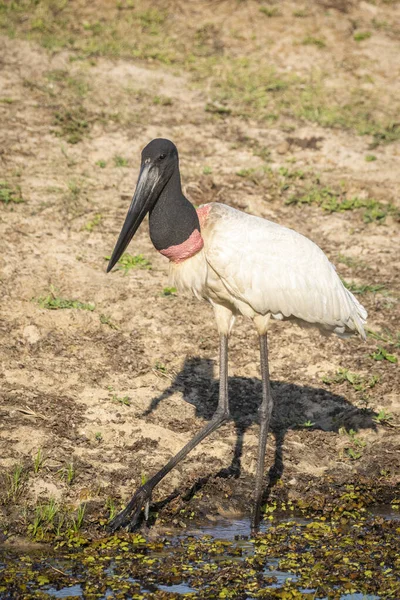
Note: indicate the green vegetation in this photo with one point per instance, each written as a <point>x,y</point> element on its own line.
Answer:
<point>248,86</point>
<point>15,482</point>
<point>129,261</point>
<point>10,194</point>
<point>106,320</point>
<point>98,436</point>
<point>72,123</point>
<point>370,158</point>
<point>101,163</point>
<point>169,291</point>
<point>207,171</point>
<point>351,262</point>
<point>385,336</point>
<point>313,41</point>
<point>38,461</point>
<point>383,417</point>
<point>125,400</point>
<point>53,302</point>
<point>360,36</point>
<point>373,211</point>
<point>120,161</point>
<point>97,219</point>
<point>363,288</point>
<point>360,383</point>
<point>270,11</point>
<point>68,473</point>
<point>382,354</point>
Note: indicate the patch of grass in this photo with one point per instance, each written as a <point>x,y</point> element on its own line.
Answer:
<point>106,320</point>
<point>68,473</point>
<point>382,354</point>
<point>162,101</point>
<point>7,100</point>
<point>78,521</point>
<point>120,161</point>
<point>125,400</point>
<point>101,163</point>
<point>301,13</point>
<point>207,171</point>
<point>129,261</point>
<point>270,11</point>
<point>363,288</point>
<point>90,225</point>
<point>360,383</point>
<point>370,158</point>
<point>383,417</point>
<point>44,519</point>
<point>38,461</point>
<point>169,291</point>
<point>10,194</point>
<point>360,36</point>
<point>53,302</point>
<point>98,436</point>
<point>349,261</point>
<point>373,211</point>
<point>72,123</point>
<point>385,336</point>
<point>310,40</point>
<point>15,482</point>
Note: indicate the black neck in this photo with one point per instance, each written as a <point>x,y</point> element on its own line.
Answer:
<point>173,218</point>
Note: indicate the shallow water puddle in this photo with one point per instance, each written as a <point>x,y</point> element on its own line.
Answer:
<point>337,558</point>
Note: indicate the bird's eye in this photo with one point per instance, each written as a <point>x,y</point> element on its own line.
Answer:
<point>162,156</point>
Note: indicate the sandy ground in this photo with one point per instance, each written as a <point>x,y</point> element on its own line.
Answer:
<point>65,372</point>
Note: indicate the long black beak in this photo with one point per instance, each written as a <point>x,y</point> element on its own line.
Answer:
<point>140,206</point>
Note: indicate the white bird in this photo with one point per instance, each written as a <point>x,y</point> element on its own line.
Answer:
<point>242,265</point>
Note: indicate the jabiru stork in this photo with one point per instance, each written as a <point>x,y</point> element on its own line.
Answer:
<point>243,265</point>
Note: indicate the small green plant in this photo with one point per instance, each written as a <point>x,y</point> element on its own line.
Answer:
<point>359,382</point>
<point>78,521</point>
<point>382,354</point>
<point>128,262</point>
<point>354,452</point>
<point>160,368</point>
<point>363,288</point>
<point>97,219</point>
<point>349,261</point>
<point>301,13</point>
<point>125,400</point>
<point>101,163</point>
<point>67,473</point>
<point>38,461</point>
<point>360,36</point>
<point>98,436</point>
<point>120,161</point>
<point>207,171</point>
<point>9,194</point>
<point>72,124</point>
<point>53,302</point>
<point>7,100</point>
<point>385,336</point>
<point>106,320</point>
<point>162,100</point>
<point>383,417</point>
<point>169,291</point>
<point>310,40</point>
<point>307,424</point>
<point>15,482</point>
<point>110,506</point>
<point>270,11</point>
<point>370,158</point>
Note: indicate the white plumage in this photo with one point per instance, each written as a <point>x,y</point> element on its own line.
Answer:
<point>260,269</point>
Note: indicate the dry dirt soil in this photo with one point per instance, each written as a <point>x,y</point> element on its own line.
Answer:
<point>100,394</point>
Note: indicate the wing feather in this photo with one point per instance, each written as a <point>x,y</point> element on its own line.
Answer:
<point>276,270</point>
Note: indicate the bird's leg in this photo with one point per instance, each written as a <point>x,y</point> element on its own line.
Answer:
<point>264,412</point>
<point>130,515</point>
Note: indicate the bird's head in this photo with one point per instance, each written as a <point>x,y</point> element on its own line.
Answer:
<point>159,160</point>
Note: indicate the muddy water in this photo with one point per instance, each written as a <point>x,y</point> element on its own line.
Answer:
<point>296,557</point>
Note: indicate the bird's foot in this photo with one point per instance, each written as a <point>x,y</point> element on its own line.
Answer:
<point>130,516</point>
